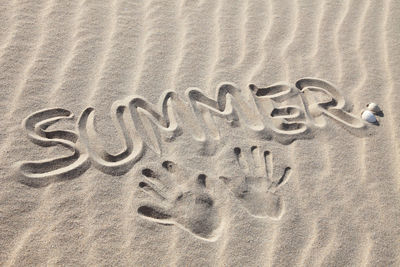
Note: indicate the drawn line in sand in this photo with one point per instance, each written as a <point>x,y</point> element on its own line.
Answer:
<point>256,185</point>
<point>281,112</point>
<point>43,172</point>
<point>177,200</point>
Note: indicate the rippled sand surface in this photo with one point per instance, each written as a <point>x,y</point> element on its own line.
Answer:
<point>199,133</point>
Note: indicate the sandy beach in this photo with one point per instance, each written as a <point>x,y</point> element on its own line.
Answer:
<point>199,133</point>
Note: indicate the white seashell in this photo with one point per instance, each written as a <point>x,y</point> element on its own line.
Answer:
<point>368,116</point>
<point>373,107</point>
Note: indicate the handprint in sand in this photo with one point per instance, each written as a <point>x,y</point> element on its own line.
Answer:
<point>256,185</point>
<point>181,199</point>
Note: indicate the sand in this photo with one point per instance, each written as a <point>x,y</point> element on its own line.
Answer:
<point>199,133</point>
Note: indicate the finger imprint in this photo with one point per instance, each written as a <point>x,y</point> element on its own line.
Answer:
<point>239,158</point>
<point>257,161</point>
<point>152,177</point>
<point>169,166</point>
<point>284,177</point>
<point>269,168</point>
<point>150,190</point>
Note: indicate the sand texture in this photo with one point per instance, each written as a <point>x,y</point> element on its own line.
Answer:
<point>199,133</point>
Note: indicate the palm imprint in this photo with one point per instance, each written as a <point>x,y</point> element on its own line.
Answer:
<point>256,184</point>
<point>180,200</point>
